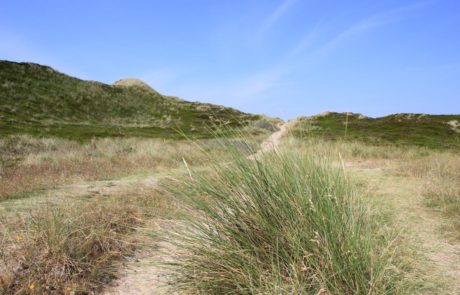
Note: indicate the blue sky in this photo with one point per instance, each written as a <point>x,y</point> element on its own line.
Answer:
<point>278,57</point>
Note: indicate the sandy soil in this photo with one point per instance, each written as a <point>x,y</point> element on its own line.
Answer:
<point>439,255</point>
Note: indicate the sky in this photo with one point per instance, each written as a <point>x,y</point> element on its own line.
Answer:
<point>282,58</point>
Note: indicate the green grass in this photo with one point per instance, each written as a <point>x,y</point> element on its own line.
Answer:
<point>290,223</point>
<point>432,131</point>
<point>40,101</point>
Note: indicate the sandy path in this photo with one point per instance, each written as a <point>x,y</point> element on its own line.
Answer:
<point>439,258</point>
<point>272,141</point>
<point>142,275</point>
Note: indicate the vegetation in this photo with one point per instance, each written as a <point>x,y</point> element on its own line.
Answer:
<point>28,164</point>
<point>443,189</point>
<point>82,168</point>
<point>38,100</point>
<point>288,223</point>
<point>433,131</point>
<point>57,239</point>
<point>292,221</point>
<point>73,245</point>
<point>441,175</point>
<point>439,170</point>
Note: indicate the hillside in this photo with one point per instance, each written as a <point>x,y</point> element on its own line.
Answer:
<point>39,100</point>
<point>433,131</point>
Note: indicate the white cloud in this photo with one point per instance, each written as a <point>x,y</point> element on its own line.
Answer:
<point>254,87</point>
<point>275,16</point>
<point>370,23</point>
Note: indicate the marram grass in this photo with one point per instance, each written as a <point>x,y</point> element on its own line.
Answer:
<point>286,223</point>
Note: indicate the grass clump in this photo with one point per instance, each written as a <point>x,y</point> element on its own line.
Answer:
<point>66,248</point>
<point>287,223</point>
<point>74,245</point>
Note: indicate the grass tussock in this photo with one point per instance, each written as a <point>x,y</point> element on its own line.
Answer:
<point>72,246</point>
<point>288,223</point>
<point>439,170</point>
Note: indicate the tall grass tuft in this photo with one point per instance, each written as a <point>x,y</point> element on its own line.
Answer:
<point>59,249</point>
<point>286,223</point>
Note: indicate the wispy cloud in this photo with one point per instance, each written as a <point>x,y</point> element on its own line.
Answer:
<point>275,16</point>
<point>373,22</point>
<point>245,91</point>
<point>254,87</point>
<point>306,41</point>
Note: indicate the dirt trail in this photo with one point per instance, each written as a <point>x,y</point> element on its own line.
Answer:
<point>142,274</point>
<point>440,258</point>
<point>272,141</point>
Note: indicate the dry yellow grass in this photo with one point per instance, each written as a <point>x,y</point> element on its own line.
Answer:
<point>75,244</point>
<point>60,239</point>
<point>440,172</point>
<point>28,164</point>
<point>71,238</point>
<point>421,188</point>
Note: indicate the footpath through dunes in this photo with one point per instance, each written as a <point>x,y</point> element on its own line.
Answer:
<point>438,256</point>
<point>143,274</point>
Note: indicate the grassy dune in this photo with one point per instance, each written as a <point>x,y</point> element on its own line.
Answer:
<point>90,172</point>
<point>423,130</point>
<point>41,101</point>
